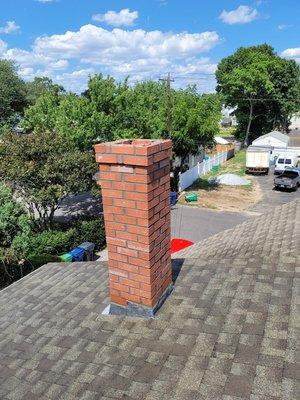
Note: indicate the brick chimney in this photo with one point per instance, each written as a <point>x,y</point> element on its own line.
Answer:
<point>135,184</point>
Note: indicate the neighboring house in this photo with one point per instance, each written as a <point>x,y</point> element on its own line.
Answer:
<point>228,118</point>
<point>227,331</point>
<point>226,122</point>
<point>272,139</point>
<point>278,143</point>
<point>221,146</point>
<point>295,122</point>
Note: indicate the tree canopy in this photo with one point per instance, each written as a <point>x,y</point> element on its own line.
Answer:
<point>110,110</point>
<point>263,87</point>
<point>43,168</point>
<point>12,94</point>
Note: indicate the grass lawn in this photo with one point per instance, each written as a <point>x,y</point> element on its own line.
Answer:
<point>236,165</point>
<point>222,197</point>
<point>225,132</point>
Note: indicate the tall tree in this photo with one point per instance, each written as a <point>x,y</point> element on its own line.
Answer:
<point>39,86</point>
<point>12,94</point>
<point>263,88</point>
<point>42,168</point>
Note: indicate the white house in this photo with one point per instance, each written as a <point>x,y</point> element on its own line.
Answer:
<point>272,139</point>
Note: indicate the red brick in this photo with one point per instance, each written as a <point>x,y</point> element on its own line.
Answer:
<point>124,203</point>
<point>139,262</point>
<point>140,278</point>
<point>114,210</point>
<point>116,194</point>
<point>115,225</point>
<point>118,300</point>
<point>137,178</point>
<point>113,176</point>
<point>118,272</point>
<point>123,186</point>
<point>133,298</point>
<point>128,268</point>
<point>127,236</point>
<point>119,286</point>
<point>118,257</point>
<point>105,184</point>
<point>107,201</point>
<point>138,196</point>
<point>139,213</point>
<point>130,282</point>
<point>128,252</point>
<point>138,160</point>
<point>125,219</point>
<point>122,149</point>
<point>106,158</point>
<point>140,246</point>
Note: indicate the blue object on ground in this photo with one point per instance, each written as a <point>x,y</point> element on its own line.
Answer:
<point>173,197</point>
<point>77,254</point>
<point>88,248</point>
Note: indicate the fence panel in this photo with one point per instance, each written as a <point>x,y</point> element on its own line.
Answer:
<point>187,178</point>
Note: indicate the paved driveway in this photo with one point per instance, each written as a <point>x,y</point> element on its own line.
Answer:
<point>272,197</point>
<point>194,223</point>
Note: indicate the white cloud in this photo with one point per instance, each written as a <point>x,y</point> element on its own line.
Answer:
<point>241,15</point>
<point>96,45</point>
<point>3,47</point>
<point>293,53</point>
<point>10,27</point>
<point>281,27</point>
<point>28,59</point>
<point>123,18</point>
<point>138,53</point>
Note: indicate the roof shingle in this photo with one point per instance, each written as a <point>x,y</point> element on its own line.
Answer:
<point>228,331</point>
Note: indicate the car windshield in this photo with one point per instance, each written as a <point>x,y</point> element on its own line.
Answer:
<point>280,161</point>
<point>289,174</point>
<point>288,161</point>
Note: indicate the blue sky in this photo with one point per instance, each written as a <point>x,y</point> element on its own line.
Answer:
<point>70,39</point>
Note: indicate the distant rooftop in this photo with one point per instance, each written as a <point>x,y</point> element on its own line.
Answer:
<point>228,331</point>
<point>275,134</point>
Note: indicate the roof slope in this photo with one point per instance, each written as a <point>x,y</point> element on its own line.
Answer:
<point>228,331</point>
<point>275,134</point>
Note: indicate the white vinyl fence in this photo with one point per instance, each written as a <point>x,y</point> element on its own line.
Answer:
<point>187,178</point>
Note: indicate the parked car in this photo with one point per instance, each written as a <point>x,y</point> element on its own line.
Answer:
<point>289,179</point>
<point>285,161</point>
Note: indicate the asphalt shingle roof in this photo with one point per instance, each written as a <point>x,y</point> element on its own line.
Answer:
<point>228,331</point>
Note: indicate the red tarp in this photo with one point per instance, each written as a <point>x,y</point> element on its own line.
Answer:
<point>179,244</point>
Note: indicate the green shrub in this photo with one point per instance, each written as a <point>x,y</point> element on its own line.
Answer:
<point>39,260</point>
<point>91,231</point>
<point>57,242</point>
<point>52,242</point>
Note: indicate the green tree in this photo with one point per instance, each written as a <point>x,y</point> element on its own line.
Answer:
<point>43,168</point>
<point>12,94</point>
<point>39,86</point>
<point>263,88</point>
<point>42,115</point>
<point>196,121</point>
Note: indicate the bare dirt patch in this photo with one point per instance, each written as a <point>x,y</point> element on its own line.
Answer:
<point>227,198</point>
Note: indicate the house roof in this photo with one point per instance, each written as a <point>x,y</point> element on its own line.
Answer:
<point>276,135</point>
<point>220,140</point>
<point>228,331</point>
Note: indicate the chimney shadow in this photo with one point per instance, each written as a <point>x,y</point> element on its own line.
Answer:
<point>176,268</point>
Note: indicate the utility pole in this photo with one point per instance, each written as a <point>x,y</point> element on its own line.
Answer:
<point>168,81</point>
